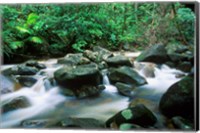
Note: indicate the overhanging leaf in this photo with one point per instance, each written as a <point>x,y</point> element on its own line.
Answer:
<point>23,30</point>
<point>32,18</point>
<point>36,39</point>
<point>16,44</point>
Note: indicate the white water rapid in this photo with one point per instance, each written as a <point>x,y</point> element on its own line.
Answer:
<point>51,103</point>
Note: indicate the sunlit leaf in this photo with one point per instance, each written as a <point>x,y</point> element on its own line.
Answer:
<point>23,30</point>
<point>16,44</point>
<point>36,39</point>
<point>32,18</point>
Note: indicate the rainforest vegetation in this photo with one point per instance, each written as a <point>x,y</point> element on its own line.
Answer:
<point>31,31</point>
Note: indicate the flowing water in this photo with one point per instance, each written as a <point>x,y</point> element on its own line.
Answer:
<point>50,103</point>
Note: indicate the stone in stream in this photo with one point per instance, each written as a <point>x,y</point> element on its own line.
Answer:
<point>147,69</point>
<point>118,60</point>
<point>83,123</point>
<point>139,115</point>
<point>126,75</point>
<point>21,70</point>
<point>82,80</point>
<point>181,123</point>
<point>178,100</point>
<point>185,66</point>
<point>26,81</point>
<point>125,89</point>
<point>38,123</point>
<point>15,103</point>
<point>49,83</point>
<point>93,56</point>
<point>35,64</point>
<point>6,85</point>
<point>74,59</point>
<point>156,54</point>
<point>103,53</point>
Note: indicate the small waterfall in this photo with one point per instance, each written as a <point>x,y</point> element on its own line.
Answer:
<point>105,77</point>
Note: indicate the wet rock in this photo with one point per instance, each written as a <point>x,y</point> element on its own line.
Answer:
<point>41,123</point>
<point>178,100</point>
<point>74,59</point>
<point>139,115</point>
<point>102,65</point>
<point>35,64</point>
<point>79,75</point>
<point>6,85</point>
<point>148,103</point>
<point>181,49</point>
<point>170,64</point>
<point>93,56</point>
<point>21,70</point>
<point>117,61</point>
<point>84,91</point>
<point>185,66</point>
<point>26,70</point>
<point>83,123</point>
<point>15,103</point>
<point>88,90</point>
<point>181,123</point>
<point>148,70</point>
<point>82,79</point>
<point>27,81</point>
<point>125,89</point>
<point>49,83</point>
<point>156,54</point>
<point>126,75</point>
<point>176,57</point>
<point>103,53</point>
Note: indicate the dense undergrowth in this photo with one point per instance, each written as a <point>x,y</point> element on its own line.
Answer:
<point>52,30</point>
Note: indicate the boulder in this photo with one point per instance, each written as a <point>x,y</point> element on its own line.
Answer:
<point>176,57</point>
<point>118,60</point>
<point>93,56</point>
<point>185,66</point>
<point>84,91</point>
<point>79,75</point>
<point>49,83</point>
<point>84,123</point>
<point>139,115</point>
<point>125,89</point>
<point>26,70</point>
<point>21,70</point>
<point>148,70</point>
<point>38,123</point>
<point>146,102</point>
<point>26,81</point>
<point>178,100</point>
<point>74,59</point>
<point>35,64</point>
<point>82,79</point>
<point>156,54</point>
<point>102,65</point>
<point>181,49</point>
<point>15,103</point>
<point>181,123</point>
<point>103,53</point>
<point>6,85</point>
<point>126,75</point>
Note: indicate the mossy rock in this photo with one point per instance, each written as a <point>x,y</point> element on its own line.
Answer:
<point>178,100</point>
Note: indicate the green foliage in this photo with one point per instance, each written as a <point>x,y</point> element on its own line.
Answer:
<point>58,29</point>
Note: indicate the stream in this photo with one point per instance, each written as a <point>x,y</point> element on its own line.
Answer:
<point>52,104</point>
